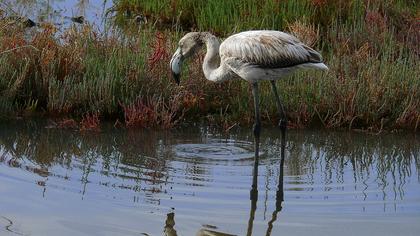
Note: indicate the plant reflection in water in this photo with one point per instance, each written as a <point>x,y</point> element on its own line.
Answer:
<point>205,176</point>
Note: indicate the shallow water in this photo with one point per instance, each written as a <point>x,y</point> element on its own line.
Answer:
<point>60,12</point>
<point>181,182</point>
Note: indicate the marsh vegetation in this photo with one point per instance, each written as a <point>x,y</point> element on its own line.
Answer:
<point>120,71</point>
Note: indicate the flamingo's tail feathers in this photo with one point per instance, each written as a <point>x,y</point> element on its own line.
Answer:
<point>319,66</point>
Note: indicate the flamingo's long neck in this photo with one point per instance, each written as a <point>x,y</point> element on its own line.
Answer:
<point>211,68</point>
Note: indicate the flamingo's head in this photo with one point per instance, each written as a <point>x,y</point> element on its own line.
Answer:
<point>187,46</point>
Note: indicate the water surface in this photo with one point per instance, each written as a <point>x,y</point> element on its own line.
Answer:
<point>60,12</point>
<point>196,179</point>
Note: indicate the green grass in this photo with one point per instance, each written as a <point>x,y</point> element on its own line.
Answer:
<point>371,50</point>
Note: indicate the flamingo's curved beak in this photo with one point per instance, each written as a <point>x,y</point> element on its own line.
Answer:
<point>176,65</point>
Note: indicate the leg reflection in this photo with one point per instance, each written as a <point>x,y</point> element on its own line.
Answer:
<point>279,193</point>
<point>170,221</point>
<point>254,198</point>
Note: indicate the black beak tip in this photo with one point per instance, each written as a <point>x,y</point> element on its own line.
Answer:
<point>176,78</point>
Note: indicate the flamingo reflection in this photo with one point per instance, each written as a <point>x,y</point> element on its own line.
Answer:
<point>170,217</point>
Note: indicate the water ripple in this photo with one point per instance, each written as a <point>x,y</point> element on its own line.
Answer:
<point>215,151</point>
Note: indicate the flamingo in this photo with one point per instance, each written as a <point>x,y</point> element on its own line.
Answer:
<point>254,56</point>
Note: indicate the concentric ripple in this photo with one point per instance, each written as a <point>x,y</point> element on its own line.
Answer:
<point>215,150</point>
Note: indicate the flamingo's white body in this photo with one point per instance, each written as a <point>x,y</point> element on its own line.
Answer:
<point>253,56</point>
<point>250,55</point>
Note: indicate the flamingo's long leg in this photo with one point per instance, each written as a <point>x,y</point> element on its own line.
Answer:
<point>257,131</point>
<point>283,127</point>
<point>282,111</point>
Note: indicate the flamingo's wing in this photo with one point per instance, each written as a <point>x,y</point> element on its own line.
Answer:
<point>268,49</point>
